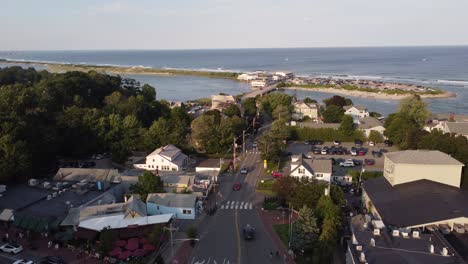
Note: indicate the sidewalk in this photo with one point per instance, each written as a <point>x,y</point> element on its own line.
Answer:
<point>270,218</point>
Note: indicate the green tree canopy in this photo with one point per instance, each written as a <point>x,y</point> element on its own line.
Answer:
<point>250,107</point>
<point>308,100</point>
<point>148,183</point>
<point>375,136</point>
<point>333,114</point>
<point>232,110</point>
<point>337,100</point>
<point>305,230</point>
<point>347,125</point>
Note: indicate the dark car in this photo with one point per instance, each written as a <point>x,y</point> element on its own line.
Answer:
<point>357,162</point>
<point>369,161</point>
<point>52,260</point>
<point>318,142</point>
<point>249,232</point>
<point>236,186</point>
<point>376,153</point>
<point>358,142</point>
<point>317,150</point>
<point>388,143</point>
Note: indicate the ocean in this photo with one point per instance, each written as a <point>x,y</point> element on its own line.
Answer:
<point>442,67</point>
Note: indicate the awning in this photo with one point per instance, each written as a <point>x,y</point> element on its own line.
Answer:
<point>6,215</point>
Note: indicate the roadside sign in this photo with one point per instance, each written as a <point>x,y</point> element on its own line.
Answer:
<point>264,164</point>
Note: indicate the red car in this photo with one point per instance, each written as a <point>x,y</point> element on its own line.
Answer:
<point>361,152</point>
<point>236,186</point>
<point>277,174</point>
<point>369,161</point>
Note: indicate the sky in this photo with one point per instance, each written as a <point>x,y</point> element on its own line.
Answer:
<point>220,24</point>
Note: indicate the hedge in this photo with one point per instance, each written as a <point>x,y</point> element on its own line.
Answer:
<point>325,134</point>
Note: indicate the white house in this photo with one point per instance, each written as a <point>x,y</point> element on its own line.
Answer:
<point>302,109</point>
<point>247,76</point>
<point>457,128</point>
<point>356,111</point>
<point>368,124</point>
<point>167,158</point>
<point>182,206</point>
<point>319,169</point>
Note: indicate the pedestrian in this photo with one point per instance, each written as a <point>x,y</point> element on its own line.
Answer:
<point>277,253</point>
<point>49,244</point>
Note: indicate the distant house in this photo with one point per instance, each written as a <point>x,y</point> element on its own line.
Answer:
<point>221,102</point>
<point>311,124</point>
<point>319,169</point>
<point>167,158</point>
<point>182,206</point>
<point>208,165</point>
<point>368,124</point>
<point>302,110</point>
<point>457,128</point>
<point>356,111</point>
<point>259,83</point>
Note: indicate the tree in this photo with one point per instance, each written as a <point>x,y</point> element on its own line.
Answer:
<point>272,100</point>
<point>308,100</point>
<point>347,125</point>
<point>232,110</point>
<point>333,114</point>
<point>107,238</point>
<point>282,112</point>
<point>337,100</point>
<point>375,136</point>
<point>148,183</point>
<point>374,114</point>
<point>399,128</point>
<point>14,159</point>
<point>307,193</point>
<point>305,230</point>
<point>250,107</point>
<point>271,147</point>
<point>285,187</point>
<point>415,109</point>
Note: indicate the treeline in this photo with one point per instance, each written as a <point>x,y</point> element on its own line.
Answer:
<point>45,116</point>
<point>325,134</point>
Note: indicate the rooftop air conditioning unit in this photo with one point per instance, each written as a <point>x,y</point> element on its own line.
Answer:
<point>376,232</point>
<point>444,251</point>
<point>358,248</point>
<point>49,197</point>
<point>395,233</point>
<point>416,234</point>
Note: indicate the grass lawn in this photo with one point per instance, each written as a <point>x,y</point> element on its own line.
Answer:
<point>282,230</point>
<point>267,192</point>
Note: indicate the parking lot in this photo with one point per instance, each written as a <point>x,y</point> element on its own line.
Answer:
<point>296,148</point>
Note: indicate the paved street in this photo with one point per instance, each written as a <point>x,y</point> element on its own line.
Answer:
<point>221,238</point>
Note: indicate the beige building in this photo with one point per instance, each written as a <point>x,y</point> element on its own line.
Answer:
<point>302,110</point>
<point>368,124</point>
<point>221,102</point>
<point>412,165</point>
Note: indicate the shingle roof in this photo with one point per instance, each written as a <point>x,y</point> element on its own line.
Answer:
<point>428,157</point>
<point>313,165</point>
<point>458,127</point>
<point>135,205</point>
<point>368,122</point>
<point>358,107</point>
<point>169,151</point>
<point>416,203</point>
<point>173,199</point>
<point>92,175</point>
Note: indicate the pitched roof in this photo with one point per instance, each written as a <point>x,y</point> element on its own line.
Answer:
<point>313,165</point>
<point>135,205</point>
<point>368,122</point>
<point>172,199</point>
<point>416,203</point>
<point>428,157</point>
<point>170,151</point>
<point>458,127</point>
<point>302,104</point>
<point>119,221</point>
<point>318,125</point>
<point>358,107</point>
<point>209,163</point>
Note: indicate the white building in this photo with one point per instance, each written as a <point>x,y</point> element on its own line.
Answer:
<point>319,169</point>
<point>182,206</point>
<point>168,158</point>
<point>259,83</point>
<point>457,128</point>
<point>368,124</point>
<point>356,111</point>
<point>247,76</point>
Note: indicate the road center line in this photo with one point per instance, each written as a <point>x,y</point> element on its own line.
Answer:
<point>238,238</point>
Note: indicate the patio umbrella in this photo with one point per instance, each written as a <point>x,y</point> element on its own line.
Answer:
<point>139,253</point>
<point>143,241</point>
<point>121,243</point>
<point>149,248</point>
<point>132,244</point>
<point>124,255</point>
<point>115,252</point>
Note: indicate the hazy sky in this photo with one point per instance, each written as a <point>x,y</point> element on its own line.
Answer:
<point>195,24</point>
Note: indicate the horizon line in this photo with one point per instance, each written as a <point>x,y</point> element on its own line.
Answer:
<point>253,48</point>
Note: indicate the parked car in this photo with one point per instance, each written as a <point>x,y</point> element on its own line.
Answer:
<point>236,186</point>
<point>336,142</point>
<point>347,163</point>
<point>357,162</point>
<point>324,151</point>
<point>388,143</point>
<point>277,174</point>
<point>244,171</point>
<point>23,261</point>
<point>12,248</point>
<point>52,260</point>
<point>376,153</point>
<point>319,142</point>
<point>353,151</point>
<point>249,232</point>
<point>358,142</point>
<point>361,152</point>
<point>340,151</point>
<point>317,150</point>
<point>371,143</point>
<point>369,161</point>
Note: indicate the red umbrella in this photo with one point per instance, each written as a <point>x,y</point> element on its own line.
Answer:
<point>149,247</point>
<point>139,253</point>
<point>143,241</point>
<point>121,243</point>
<point>124,255</point>
<point>132,244</point>
<point>115,252</point>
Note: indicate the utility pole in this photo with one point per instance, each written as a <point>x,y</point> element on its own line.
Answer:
<point>234,155</point>
<point>243,141</point>
<point>170,228</point>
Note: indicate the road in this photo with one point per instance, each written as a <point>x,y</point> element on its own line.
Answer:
<point>221,241</point>
<point>9,258</point>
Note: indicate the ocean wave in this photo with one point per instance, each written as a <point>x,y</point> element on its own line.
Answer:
<point>365,77</point>
<point>452,82</point>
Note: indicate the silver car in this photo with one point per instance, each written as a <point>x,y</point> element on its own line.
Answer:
<point>11,248</point>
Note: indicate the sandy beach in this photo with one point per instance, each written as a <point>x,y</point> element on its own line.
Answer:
<point>370,95</point>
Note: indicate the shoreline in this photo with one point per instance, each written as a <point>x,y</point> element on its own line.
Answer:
<point>370,95</point>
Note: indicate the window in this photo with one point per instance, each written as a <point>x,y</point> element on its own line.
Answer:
<point>188,212</point>
<point>157,207</point>
<point>301,171</point>
<point>174,168</point>
<point>153,160</point>
<point>157,167</point>
<point>320,175</point>
<point>166,168</point>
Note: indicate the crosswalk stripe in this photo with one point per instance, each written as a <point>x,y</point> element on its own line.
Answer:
<point>250,206</point>
<point>222,206</point>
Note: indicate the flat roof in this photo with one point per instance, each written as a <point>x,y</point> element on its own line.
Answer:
<point>92,175</point>
<point>416,203</point>
<point>390,250</point>
<point>18,196</point>
<point>208,163</point>
<point>175,200</point>
<point>424,157</point>
<point>119,221</point>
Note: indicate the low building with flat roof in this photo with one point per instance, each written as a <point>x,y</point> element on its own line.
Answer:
<point>182,206</point>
